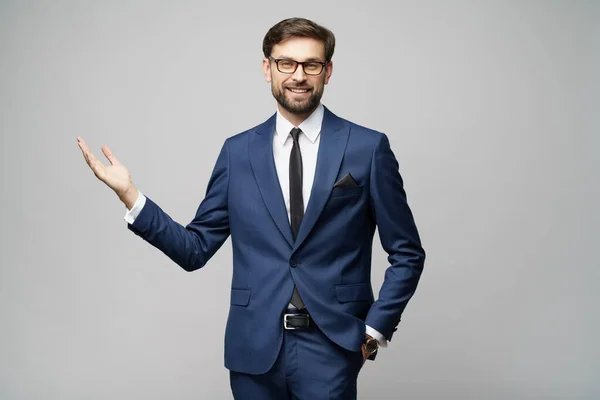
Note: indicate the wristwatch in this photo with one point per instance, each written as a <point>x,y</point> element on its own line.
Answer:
<point>370,345</point>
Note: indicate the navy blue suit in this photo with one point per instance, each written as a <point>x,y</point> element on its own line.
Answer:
<point>330,261</point>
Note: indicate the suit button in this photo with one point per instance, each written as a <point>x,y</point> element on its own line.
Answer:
<point>293,263</point>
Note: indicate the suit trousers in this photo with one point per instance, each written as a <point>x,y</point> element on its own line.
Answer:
<point>309,366</point>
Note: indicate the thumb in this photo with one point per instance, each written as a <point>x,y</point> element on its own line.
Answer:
<point>111,157</point>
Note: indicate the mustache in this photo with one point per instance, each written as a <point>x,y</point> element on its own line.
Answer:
<point>297,87</point>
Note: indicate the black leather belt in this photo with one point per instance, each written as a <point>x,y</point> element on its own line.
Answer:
<point>296,321</point>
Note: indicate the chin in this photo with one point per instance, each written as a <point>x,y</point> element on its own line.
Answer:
<point>299,106</point>
<point>302,110</point>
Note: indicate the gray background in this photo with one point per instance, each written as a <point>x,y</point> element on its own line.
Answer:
<point>492,111</point>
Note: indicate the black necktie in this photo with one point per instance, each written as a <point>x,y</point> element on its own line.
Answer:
<point>296,201</point>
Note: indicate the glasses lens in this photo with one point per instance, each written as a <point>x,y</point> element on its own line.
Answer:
<point>313,68</point>
<point>286,66</point>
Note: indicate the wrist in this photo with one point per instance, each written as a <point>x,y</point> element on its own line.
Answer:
<point>129,197</point>
<point>370,347</point>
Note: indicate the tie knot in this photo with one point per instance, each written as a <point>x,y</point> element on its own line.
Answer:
<point>295,132</point>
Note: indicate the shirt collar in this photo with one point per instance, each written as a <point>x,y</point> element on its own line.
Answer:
<point>311,126</point>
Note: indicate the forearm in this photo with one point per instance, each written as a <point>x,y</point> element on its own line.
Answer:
<point>399,286</point>
<point>189,247</point>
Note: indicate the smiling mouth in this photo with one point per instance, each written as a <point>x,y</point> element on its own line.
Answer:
<point>298,91</point>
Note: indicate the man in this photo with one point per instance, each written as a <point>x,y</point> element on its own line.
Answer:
<point>301,195</point>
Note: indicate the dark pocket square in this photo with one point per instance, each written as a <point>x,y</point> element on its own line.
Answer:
<point>346,182</point>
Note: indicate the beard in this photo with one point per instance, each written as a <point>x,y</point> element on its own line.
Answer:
<point>298,107</point>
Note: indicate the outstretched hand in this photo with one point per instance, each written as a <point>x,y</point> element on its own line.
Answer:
<point>115,175</point>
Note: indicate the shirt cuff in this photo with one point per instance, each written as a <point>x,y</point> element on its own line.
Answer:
<point>132,214</point>
<point>378,336</point>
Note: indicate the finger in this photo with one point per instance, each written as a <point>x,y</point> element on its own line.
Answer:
<point>84,151</point>
<point>89,155</point>
<point>81,142</point>
<point>92,161</point>
<point>109,154</point>
<point>84,148</point>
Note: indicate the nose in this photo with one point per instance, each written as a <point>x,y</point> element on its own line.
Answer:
<point>299,75</point>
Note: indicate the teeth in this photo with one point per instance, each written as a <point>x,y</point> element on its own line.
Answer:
<point>299,90</point>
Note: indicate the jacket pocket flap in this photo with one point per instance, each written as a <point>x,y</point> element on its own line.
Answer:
<point>240,297</point>
<point>346,191</point>
<point>354,292</point>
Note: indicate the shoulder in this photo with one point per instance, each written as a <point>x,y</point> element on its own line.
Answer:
<point>359,132</point>
<point>242,137</point>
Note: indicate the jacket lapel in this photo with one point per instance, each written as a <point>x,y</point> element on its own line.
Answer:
<point>334,136</point>
<point>260,148</point>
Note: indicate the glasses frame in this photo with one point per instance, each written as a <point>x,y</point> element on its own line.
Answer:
<point>277,60</point>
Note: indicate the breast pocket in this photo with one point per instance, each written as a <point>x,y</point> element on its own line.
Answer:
<point>347,191</point>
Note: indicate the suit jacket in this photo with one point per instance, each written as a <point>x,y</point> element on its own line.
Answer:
<point>330,260</point>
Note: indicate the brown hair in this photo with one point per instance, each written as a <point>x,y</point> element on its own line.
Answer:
<point>298,27</point>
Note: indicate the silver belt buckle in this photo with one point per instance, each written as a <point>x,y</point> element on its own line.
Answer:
<point>285,321</point>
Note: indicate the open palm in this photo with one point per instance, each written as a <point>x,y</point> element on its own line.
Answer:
<point>115,175</point>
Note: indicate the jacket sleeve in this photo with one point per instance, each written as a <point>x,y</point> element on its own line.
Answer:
<point>192,246</point>
<point>399,238</point>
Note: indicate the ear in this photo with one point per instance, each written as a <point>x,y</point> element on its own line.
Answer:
<point>266,67</point>
<point>328,71</point>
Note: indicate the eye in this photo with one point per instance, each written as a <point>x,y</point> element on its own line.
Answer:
<point>286,64</point>
<point>312,66</point>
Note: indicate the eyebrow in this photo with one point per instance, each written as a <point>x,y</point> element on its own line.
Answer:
<point>310,59</point>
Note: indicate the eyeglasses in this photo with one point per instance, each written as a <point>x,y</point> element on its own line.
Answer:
<point>287,66</point>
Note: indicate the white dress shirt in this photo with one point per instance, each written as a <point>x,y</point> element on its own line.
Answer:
<point>282,148</point>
